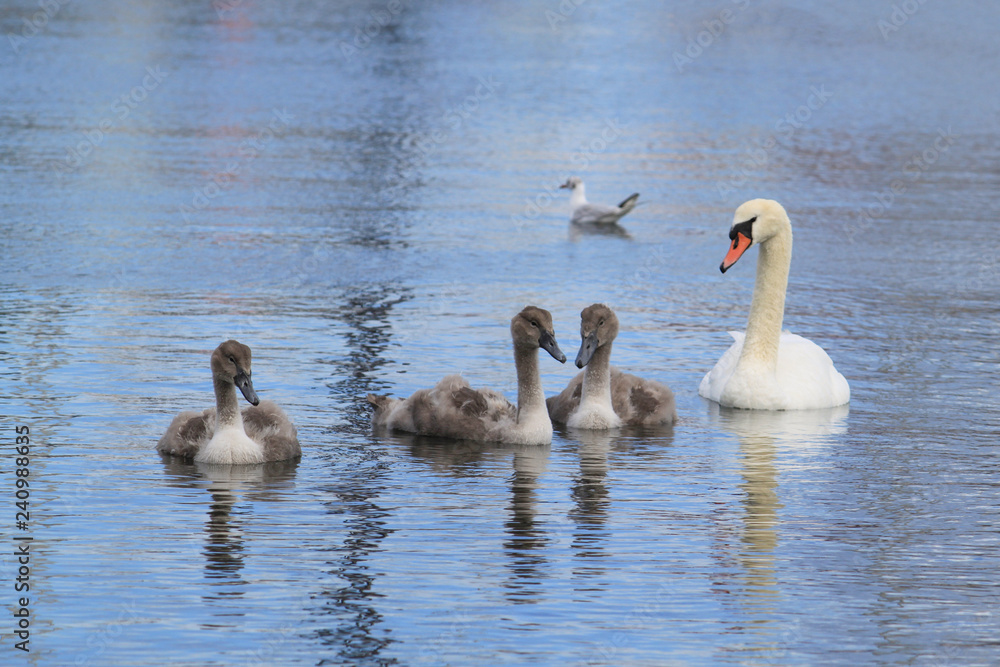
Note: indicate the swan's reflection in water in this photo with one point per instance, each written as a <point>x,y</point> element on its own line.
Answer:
<point>591,500</point>
<point>769,440</point>
<point>591,492</point>
<point>226,486</point>
<point>526,537</point>
<point>461,458</point>
<point>538,531</point>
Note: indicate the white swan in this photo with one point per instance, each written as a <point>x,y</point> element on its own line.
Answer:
<point>225,435</point>
<point>452,409</point>
<point>585,213</point>
<point>767,369</point>
<point>602,397</point>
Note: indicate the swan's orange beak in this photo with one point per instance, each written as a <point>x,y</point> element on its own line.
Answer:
<point>740,245</point>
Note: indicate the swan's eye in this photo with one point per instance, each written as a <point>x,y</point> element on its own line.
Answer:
<point>534,324</point>
<point>601,323</point>
<point>232,360</point>
<point>745,228</point>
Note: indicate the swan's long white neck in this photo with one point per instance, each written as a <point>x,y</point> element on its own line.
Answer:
<point>227,407</point>
<point>597,378</point>
<point>767,309</point>
<point>530,396</point>
<point>578,197</point>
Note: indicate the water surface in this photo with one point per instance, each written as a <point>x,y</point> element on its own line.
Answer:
<point>370,220</point>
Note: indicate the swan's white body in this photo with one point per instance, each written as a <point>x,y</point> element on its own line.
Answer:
<point>765,368</point>
<point>803,378</point>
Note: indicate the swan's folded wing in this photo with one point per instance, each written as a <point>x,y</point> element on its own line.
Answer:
<point>469,401</point>
<point>715,380</point>
<point>268,425</point>
<point>451,409</point>
<point>641,402</point>
<point>807,375</point>
<point>187,433</point>
<point>498,408</point>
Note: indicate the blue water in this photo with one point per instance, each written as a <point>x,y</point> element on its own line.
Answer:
<point>368,215</point>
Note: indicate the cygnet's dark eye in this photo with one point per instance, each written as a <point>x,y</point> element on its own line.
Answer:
<point>534,324</point>
<point>601,323</point>
<point>232,360</point>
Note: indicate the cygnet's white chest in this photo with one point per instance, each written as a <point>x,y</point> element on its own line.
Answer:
<point>231,445</point>
<point>594,414</point>
<point>534,428</point>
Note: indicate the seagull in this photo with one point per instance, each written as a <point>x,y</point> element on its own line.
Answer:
<point>594,214</point>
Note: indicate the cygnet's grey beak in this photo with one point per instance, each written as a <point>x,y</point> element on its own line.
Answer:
<point>548,343</point>
<point>242,380</point>
<point>587,349</point>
